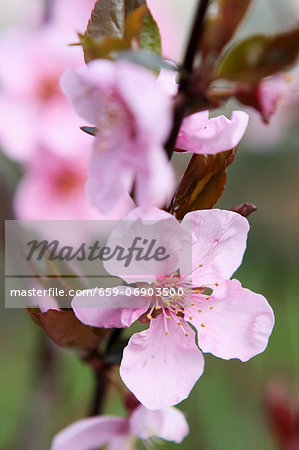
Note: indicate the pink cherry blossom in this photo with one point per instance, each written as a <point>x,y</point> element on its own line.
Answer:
<point>120,434</point>
<point>133,118</point>
<point>161,364</point>
<point>271,92</point>
<point>280,98</point>
<point>52,188</point>
<point>201,134</point>
<point>34,111</point>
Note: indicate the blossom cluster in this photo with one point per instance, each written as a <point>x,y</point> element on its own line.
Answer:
<point>123,171</point>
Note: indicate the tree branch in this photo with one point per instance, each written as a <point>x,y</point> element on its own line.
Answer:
<point>182,103</point>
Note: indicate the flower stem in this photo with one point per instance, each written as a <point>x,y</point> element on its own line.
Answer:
<point>101,383</point>
<point>182,104</point>
<point>100,370</point>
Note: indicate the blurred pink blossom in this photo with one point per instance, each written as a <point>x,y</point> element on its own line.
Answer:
<point>271,92</point>
<point>133,119</point>
<point>34,111</point>
<point>279,97</point>
<point>53,187</point>
<point>161,365</point>
<point>120,434</point>
<point>132,114</point>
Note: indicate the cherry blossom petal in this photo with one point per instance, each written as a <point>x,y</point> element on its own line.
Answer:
<point>155,182</point>
<point>85,88</point>
<point>271,92</point>
<point>161,369</point>
<point>169,424</point>
<point>153,113</point>
<point>219,242</point>
<point>153,213</point>
<point>238,326</point>
<point>201,135</point>
<point>109,182</point>
<point>109,311</point>
<point>147,236</point>
<point>93,432</point>
<point>167,80</point>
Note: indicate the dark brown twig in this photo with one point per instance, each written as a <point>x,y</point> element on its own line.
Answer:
<point>182,104</point>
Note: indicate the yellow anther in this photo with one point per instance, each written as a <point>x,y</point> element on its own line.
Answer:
<point>176,312</point>
<point>180,323</point>
<point>168,317</point>
<point>200,265</point>
<point>216,284</point>
<point>211,307</point>
<point>171,284</point>
<point>202,287</point>
<point>197,292</point>
<point>149,316</point>
<point>186,334</point>
<point>190,318</point>
<point>166,333</point>
<point>199,310</point>
<point>158,307</point>
<point>203,325</point>
<point>207,298</point>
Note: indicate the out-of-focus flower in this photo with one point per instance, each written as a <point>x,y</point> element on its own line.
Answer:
<point>278,98</point>
<point>34,111</point>
<point>161,365</point>
<point>133,118</point>
<point>283,415</point>
<point>54,188</point>
<point>120,434</point>
<point>132,114</point>
<point>270,93</point>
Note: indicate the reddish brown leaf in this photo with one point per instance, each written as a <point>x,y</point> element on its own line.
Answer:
<point>202,184</point>
<point>67,331</point>
<point>221,27</point>
<point>245,209</point>
<point>259,56</point>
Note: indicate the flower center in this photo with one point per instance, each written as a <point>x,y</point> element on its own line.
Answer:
<point>176,299</point>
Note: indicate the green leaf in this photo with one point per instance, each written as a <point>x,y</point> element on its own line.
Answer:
<point>221,27</point>
<point>101,48</point>
<point>108,17</point>
<point>134,22</point>
<point>259,56</point>
<point>147,59</point>
<point>202,184</point>
<point>150,38</point>
<point>119,24</point>
<point>89,130</point>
